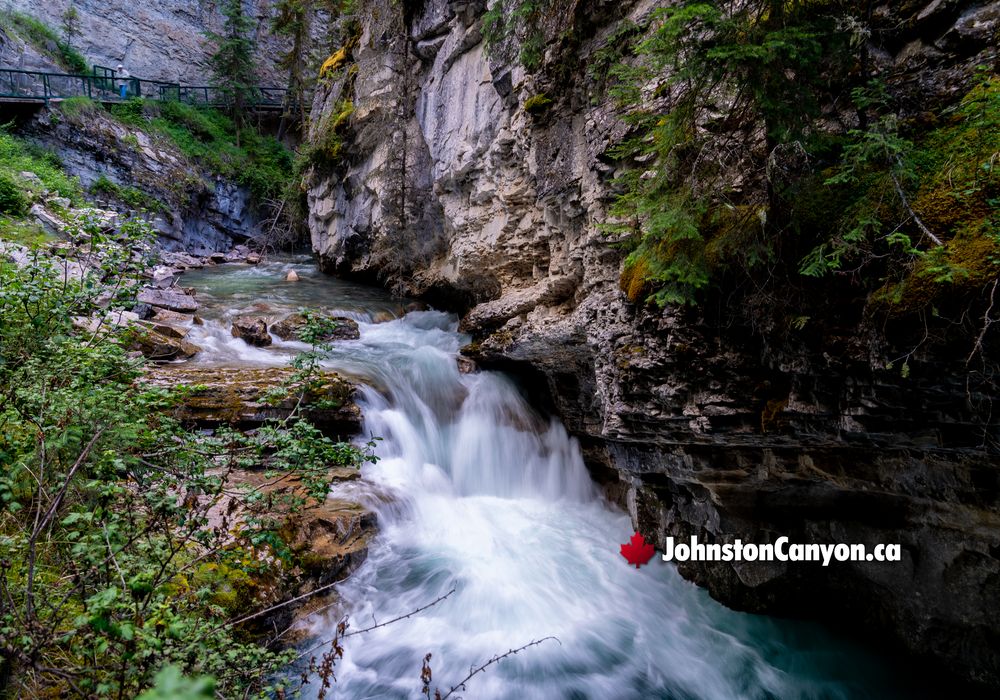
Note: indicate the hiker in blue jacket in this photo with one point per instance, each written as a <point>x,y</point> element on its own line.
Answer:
<point>125,77</point>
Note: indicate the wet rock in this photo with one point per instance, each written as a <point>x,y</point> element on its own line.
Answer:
<point>288,328</point>
<point>183,260</point>
<point>253,258</point>
<point>292,276</point>
<point>252,330</point>
<point>217,257</point>
<point>164,277</point>
<point>331,537</point>
<point>237,254</point>
<point>466,365</point>
<point>171,317</point>
<point>170,299</point>
<point>239,396</point>
<point>160,347</point>
<point>167,329</point>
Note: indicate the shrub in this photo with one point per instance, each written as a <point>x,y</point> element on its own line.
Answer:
<point>536,104</point>
<point>17,155</point>
<point>76,108</point>
<point>12,198</point>
<point>130,196</point>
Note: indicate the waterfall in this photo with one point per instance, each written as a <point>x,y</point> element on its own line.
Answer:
<point>477,493</point>
<point>488,498</point>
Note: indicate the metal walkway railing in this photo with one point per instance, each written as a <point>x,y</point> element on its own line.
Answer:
<point>105,85</point>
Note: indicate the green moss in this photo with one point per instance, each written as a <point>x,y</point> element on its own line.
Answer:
<point>634,278</point>
<point>536,104</point>
<point>325,148</point>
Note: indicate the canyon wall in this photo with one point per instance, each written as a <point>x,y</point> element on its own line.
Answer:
<point>165,40</point>
<point>455,186</point>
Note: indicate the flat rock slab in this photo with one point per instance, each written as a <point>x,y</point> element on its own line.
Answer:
<point>239,396</point>
<point>169,299</point>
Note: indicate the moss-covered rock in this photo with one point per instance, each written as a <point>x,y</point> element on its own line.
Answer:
<point>249,396</point>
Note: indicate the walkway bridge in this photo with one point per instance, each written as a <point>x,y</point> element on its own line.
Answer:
<point>106,85</point>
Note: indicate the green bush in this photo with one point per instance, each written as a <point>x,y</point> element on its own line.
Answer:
<point>132,111</point>
<point>132,197</point>
<point>208,136</point>
<point>12,198</point>
<point>109,551</point>
<point>76,108</point>
<point>536,104</point>
<point>17,155</point>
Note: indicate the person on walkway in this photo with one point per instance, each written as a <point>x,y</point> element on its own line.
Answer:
<point>124,76</point>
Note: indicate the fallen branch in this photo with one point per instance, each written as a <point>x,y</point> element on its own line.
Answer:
<point>906,204</point>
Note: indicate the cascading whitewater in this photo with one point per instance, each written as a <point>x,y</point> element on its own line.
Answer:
<point>491,500</point>
<point>478,493</point>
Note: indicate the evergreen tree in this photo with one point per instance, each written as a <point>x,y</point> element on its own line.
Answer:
<point>233,62</point>
<point>70,24</point>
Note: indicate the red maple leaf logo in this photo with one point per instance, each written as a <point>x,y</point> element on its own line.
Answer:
<point>637,551</point>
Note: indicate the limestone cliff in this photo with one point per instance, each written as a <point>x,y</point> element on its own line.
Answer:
<point>481,186</point>
<point>162,40</point>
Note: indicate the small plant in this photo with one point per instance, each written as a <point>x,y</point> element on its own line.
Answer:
<point>132,111</point>
<point>536,104</point>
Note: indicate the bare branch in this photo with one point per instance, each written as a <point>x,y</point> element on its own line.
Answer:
<point>496,659</point>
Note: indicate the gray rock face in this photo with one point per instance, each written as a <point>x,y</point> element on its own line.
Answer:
<point>166,40</point>
<point>190,209</point>
<point>695,426</point>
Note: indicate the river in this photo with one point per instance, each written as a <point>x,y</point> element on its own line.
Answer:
<point>477,492</point>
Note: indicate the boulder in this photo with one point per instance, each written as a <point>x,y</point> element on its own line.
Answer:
<point>121,318</point>
<point>292,276</point>
<point>171,299</point>
<point>252,330</point>
<point>237,254</point>
<point>253,258</point>
<point>160,347</point>
<point>217,257</point>
<point>171,317</point>
<point>168,329</point>
<point>183,260</point>
<point>288,328</point>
